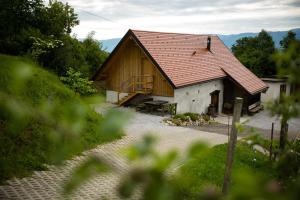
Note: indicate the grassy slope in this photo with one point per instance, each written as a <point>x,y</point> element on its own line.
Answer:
<point>208,168</point>
<point>34,105</point>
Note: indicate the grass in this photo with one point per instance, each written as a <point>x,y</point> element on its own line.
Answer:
<point>42,121</point>
<point>207,168</point>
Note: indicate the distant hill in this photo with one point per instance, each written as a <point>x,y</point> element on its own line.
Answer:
<point>110,44</point>
<point>229,40</point>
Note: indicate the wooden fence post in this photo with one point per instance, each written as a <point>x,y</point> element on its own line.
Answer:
<point>283,135</point>
<point>231,145</point>
<point>271,145</point>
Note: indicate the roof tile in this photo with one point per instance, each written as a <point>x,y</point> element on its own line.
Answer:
<point>185,59</point>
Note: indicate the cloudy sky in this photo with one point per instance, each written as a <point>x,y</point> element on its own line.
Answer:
<point>112,18</point>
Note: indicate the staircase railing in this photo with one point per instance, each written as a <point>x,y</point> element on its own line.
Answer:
<point>137,83</point>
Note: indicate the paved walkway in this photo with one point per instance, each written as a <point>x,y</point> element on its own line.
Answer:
<point>263,120</point>
<point>48,184</point>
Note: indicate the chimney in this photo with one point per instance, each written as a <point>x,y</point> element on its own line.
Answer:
<point>208,43</point>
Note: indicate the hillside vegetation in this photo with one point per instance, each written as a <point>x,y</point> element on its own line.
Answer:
<point>41,30</point>
<point>42,121</point>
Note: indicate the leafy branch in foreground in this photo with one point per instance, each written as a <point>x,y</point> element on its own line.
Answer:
<point>288,107</point>
<point>44,122</point>
<point>197,174</point>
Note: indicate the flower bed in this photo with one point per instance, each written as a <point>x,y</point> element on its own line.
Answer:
<point>189,119</point>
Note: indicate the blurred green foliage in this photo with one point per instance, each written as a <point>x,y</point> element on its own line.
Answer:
<point>93,166</point>
<point>288,40</point>
<point>43,122</point>
<point>197,174</point>
<point>287,106</point>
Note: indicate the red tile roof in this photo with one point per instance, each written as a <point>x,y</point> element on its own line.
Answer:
<point>185,59</point>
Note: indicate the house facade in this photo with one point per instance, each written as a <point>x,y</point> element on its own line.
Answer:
<point>194,71</point>
<point>277,87</point>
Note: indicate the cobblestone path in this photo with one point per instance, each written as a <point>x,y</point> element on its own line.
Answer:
<point>48,184</point>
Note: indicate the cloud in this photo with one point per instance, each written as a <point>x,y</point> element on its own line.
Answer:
<point>112,18</point>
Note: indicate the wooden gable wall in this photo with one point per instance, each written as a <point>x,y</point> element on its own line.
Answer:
<point>130,61</point>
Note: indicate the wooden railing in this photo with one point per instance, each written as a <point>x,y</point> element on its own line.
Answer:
<point>141,83</point>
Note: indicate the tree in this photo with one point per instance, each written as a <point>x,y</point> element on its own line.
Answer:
<point>85,57</point>
<point>58,19</point>
<point>22,19</point>
<point>245,50</point>
<point>288,63</point>
<point>93,54</point>
<point>17,18</point>
<point>69,55</point>
<point>255,53</point>
<point>42,32</point>
<point>266,48</point>
<point>287,40</point>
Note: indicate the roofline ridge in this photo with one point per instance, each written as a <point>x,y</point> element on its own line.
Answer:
<point>210,34</point>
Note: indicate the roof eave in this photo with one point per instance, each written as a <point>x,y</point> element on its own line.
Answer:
<point>200,82</point>
<point>111,55</point>
<point>138,42</point>
<point>151,58</point>
<point>249,92</point>
<point>259,91</point>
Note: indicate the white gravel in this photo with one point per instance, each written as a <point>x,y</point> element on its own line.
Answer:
<point>169,136</point>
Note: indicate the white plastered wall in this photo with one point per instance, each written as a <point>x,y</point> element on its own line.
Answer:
<point>273,92</point>
<point>169,99</point>
<point>112,96</point>
<point>196,98</point>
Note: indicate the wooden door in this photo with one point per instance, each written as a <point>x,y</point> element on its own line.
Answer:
<point>282,91</point>
<point>215,100</point>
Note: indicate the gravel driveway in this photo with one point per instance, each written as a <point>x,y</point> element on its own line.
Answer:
<point>169,136</point>
<point>48,184</point>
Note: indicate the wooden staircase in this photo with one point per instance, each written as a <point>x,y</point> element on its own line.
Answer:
<point>133,86</point>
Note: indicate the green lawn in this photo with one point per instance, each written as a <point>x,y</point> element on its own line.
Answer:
<point>207,168</point>
<point>42,121</point>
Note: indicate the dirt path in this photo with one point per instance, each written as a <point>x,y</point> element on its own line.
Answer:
<point>48,184</point>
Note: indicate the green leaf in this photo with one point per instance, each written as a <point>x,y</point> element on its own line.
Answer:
<point>94,165</point>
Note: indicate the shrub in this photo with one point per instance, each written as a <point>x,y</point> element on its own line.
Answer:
<point>193,116</point>
<point>80,85</point>
<point>182,117</point>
